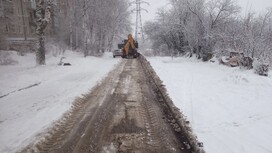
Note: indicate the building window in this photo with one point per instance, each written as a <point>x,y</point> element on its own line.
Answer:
<point>1,9</point>
<point>6,28</point>
<point>12,29</point>
<point>1,12</point>
<point>19,31</point>
<point>32,30</point>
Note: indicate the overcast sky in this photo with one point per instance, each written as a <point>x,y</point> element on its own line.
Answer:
<point>254,5</point>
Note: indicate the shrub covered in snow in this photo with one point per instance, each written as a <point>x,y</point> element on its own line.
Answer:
<point>246,62</point>
<point>261,68</point>
<point>55,49</point>
<point>5,58</point>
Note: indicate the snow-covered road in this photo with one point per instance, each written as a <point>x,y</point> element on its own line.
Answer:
<point>229,109</point>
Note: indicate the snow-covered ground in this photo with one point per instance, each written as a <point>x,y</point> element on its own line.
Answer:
<point>229,109</point>
<point>38,96</point>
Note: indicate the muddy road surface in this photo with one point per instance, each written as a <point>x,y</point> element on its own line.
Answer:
<point>126,113</point>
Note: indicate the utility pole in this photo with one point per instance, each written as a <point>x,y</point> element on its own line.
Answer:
<point>72,8</point>
<point>139,23</point>
<point>23,17</point>
<point>84,27</point>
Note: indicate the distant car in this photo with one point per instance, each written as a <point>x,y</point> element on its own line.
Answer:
<point>117,52</point>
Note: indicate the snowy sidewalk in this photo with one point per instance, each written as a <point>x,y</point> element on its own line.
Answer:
<point>46,93</point>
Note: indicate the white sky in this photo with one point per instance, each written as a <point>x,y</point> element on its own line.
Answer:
<point>152,9</point>
<point>254,5</point>
<point>258,6</point>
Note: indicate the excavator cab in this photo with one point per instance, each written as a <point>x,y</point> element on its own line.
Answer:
<point>129,48</point>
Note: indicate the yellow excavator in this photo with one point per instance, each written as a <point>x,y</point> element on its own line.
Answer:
<point>129,48</point>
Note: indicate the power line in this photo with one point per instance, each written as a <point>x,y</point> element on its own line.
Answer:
<point>138,11</point>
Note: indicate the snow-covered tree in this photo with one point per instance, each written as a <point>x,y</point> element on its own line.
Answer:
<point>92,25</point>
<point>211,27</point>
<point>43,16</point>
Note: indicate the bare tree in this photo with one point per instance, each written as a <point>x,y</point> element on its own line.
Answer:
<point>94,25</point>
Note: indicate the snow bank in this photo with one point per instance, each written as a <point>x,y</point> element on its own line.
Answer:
<point>229,109</point>
<point>34,97</point>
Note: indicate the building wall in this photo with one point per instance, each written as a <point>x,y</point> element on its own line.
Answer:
<point>6,18</point>
<point>16,18</point>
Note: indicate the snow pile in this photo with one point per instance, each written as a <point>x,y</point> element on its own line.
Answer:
<point>34,97</point>
<point>5,58</point>
<point>229,109</point>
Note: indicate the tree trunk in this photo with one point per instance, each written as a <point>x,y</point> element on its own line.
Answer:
<point>76,38</point>
<point>42,19</point>
<point>84,29</point>
<point>71,36</point>
<point>40,52</point>
<point>111,41</point>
